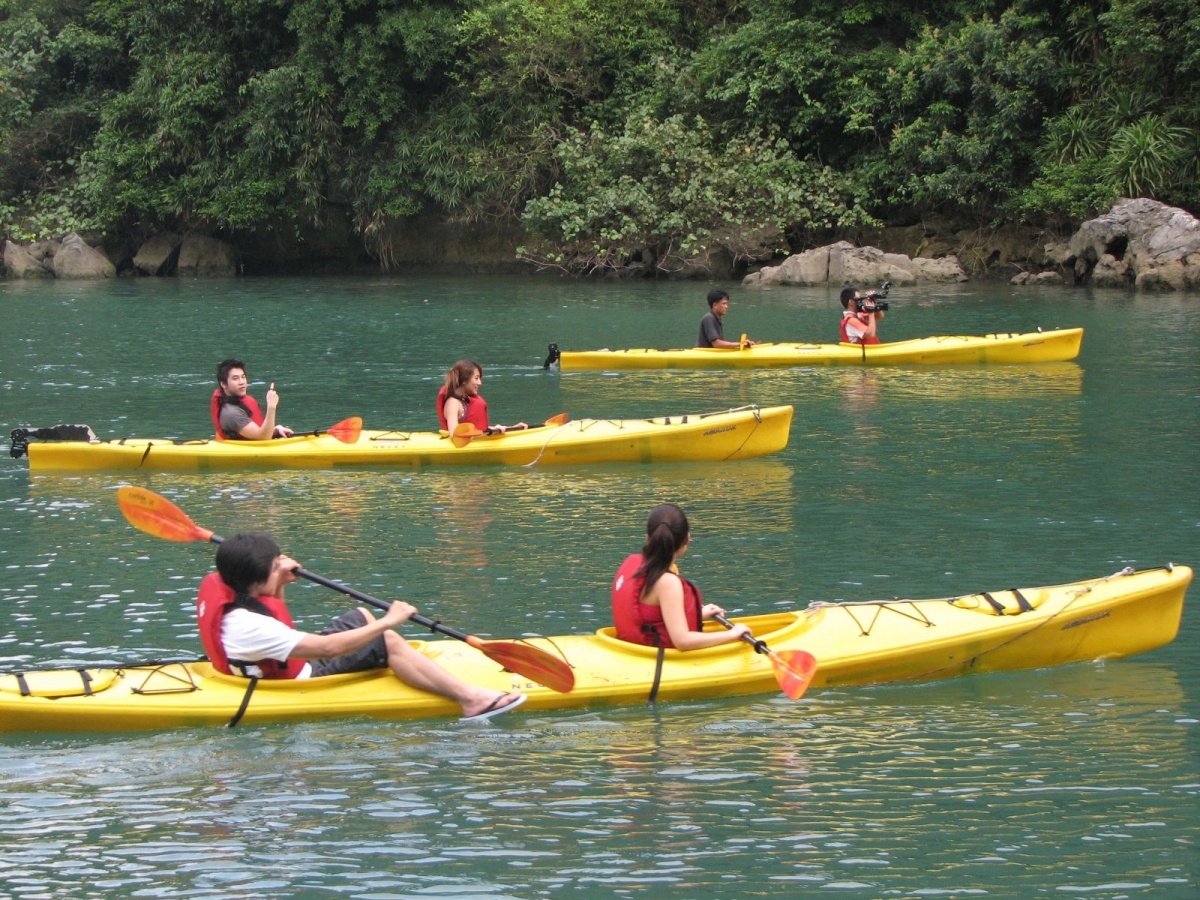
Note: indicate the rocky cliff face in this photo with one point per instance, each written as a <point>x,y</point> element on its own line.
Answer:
<point>1139,243</point>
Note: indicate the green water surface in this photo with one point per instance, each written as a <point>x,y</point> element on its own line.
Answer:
<point>918,482</point>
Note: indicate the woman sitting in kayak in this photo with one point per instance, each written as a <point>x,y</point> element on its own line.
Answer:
<point>458,401</point>
<point>652,603</point>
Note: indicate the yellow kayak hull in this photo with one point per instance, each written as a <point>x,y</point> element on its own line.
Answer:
<point>854,643</point>
<point>732,434</point>
<point>1033,347</point>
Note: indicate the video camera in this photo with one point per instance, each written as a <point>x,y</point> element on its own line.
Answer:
<point>873,301</point>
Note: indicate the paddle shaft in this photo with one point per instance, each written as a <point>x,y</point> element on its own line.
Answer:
<point>759,646</point>
<point>415,618</point>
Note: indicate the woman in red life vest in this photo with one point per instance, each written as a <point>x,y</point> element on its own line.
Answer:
<point>652,603</point>
<point>246,629</point>
<point>458,401</point>
<point>235,414</point>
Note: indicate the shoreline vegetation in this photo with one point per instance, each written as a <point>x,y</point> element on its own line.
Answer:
<point>707,139</point>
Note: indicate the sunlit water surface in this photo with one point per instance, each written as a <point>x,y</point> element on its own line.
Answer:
<point>1078,781</point>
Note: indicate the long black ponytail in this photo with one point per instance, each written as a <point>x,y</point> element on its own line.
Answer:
<point>666,531</point>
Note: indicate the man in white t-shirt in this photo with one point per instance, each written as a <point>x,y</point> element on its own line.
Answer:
<point>245,607</point>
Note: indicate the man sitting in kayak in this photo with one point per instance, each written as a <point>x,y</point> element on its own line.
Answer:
<point>458,400</point>
<point>246,630</point>
<point>236,415</point>
<point>652,603</point>
<point>712,331</point>
<point>860,318</point>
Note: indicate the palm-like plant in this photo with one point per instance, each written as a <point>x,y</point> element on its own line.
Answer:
<point>1143,157</point>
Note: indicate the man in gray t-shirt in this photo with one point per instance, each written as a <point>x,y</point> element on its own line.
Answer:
<point>238,415</point>
<point>712,331</point>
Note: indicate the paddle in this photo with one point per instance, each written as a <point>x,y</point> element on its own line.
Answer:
<point>466,431</point>
<point>158,516</point>
<point>743,342</point>
<point>346,431</point>
<point>794,669</point>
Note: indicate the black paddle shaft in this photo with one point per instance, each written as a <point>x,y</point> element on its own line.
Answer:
<point>759,646</point>
<point>415,618</point>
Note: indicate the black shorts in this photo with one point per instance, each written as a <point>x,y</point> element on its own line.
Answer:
<point>372,656</point>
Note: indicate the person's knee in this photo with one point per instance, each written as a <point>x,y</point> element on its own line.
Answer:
<point>394,643</point>
<point>366,614</point>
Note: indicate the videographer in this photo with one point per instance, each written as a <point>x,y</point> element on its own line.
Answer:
<point>860,320</point>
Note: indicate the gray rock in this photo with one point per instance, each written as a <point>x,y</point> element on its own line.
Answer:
<point>1141,242</point>
<point>202,257</point>
<point>20,263</point>
<point>76,260</point>
<point>158,256</point>
<point>843,263</point>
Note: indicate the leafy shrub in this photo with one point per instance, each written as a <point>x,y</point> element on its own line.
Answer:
<point>661,188</point>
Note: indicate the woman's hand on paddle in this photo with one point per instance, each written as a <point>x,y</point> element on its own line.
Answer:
<point>501,429</point>
<point>735,632</point>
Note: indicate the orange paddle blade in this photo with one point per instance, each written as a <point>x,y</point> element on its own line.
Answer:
<point>158,516</point>
<point>794,670</point>
<point>536,665</point>
<point>560,419</point>
<point>463,434</point>
<point>347,431</point>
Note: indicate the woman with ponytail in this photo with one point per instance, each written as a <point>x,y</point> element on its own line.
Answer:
<point>652,603</point>
<point>458,401</point>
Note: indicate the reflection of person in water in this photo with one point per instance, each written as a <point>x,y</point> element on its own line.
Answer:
<point>459,401</point>
<point>652,603</point>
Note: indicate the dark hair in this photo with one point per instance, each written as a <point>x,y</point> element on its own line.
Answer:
<point>715,296</point>
<point>246,559</point>
<point>847,295</point>
<point>460,373</point>
<point>225,366</point>
<point>666,531</point>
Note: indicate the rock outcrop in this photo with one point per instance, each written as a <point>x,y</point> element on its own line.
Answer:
<point>19,262</point>
<point>159,255</point>
<point>843,263</point>
<point>75,259</point>
<point>203,257</point>
<point>1140,242</point>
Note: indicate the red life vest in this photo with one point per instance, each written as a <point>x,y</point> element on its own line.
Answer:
<point>248,403</point>
<point>474,410</point>
<point>641,623</point>
<point>847,339</point>
<point>212,603</point>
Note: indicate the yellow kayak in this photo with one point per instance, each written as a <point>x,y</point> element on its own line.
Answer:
<point>1033,347</point>
<point>732,434</point>
<point>854,643</point>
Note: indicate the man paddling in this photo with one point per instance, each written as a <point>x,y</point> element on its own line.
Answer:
<point>235,414</point>
<point>247,630</point>
<point>712,330</point>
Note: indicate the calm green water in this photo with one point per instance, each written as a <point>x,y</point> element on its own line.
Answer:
<point>1077,781</point>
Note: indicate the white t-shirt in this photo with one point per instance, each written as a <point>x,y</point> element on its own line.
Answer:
<point>250,636</point>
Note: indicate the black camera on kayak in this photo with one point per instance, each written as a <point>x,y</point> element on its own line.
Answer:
<point>873,301</point>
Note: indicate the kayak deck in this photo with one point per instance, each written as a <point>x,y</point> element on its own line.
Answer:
<point>1032,347</point>
<point>728,435</point>
<point>855,643</point>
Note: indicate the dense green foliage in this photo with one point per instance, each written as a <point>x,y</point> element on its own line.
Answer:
<point>640,130</point>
